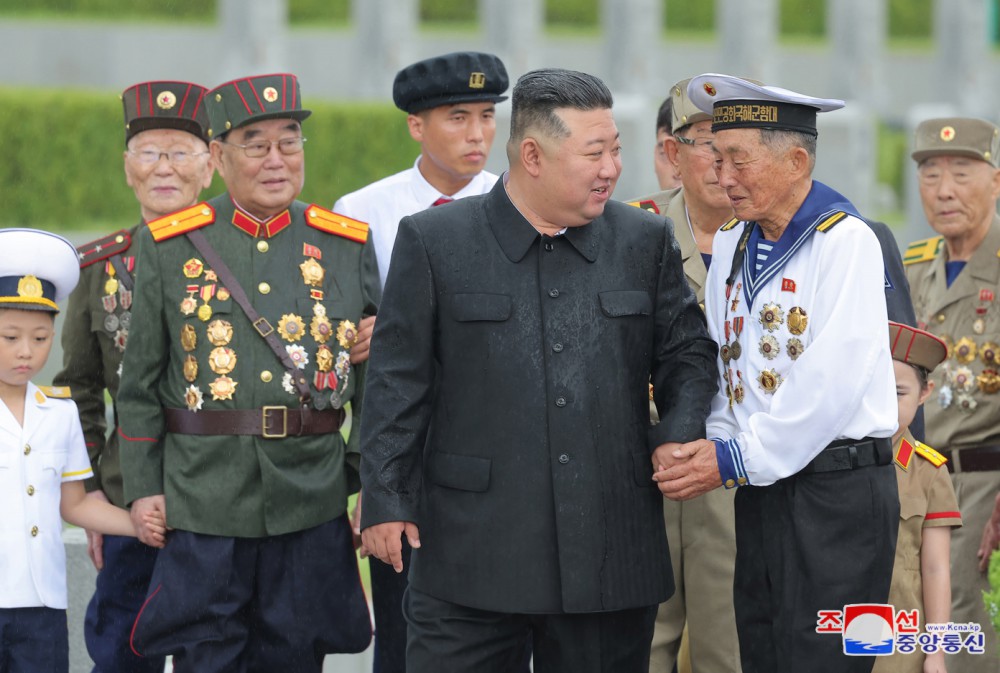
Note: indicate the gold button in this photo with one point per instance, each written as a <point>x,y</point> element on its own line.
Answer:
<point>27,449</point>
<point>262,246</point>
<point>34,531</point>
<point>263,288</point>
<point>265,376</point>
<point>742,481</point>
<point>730,483</point>
<point>31,489</point>
<point>940,317</point>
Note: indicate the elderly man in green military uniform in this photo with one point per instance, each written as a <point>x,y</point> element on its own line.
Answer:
<point>232,396</point>
<point>954,279</point>
<point>166,165</point>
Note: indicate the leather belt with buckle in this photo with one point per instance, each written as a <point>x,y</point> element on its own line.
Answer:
<point>271,422</point>
<point>973,459</point>
<point>851,454</point>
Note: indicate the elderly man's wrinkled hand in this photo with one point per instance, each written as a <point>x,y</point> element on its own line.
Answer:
<point>693,469</point>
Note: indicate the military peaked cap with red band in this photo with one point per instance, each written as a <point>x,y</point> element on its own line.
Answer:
<point>102,248</point>
<point>165,105</point>
<point>253,99</point>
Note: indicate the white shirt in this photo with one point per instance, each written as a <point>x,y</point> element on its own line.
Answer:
<point>840,385</point>
<point>36,458</point>
<point>384,203</point>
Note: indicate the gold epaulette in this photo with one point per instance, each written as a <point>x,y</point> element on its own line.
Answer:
<point>935,458</point>
<point>647,204</point>
<point>181,222</point>
<point>828,224</point>
<point>730,224</point>
<point>923,251</point>
<point>102,248</point>
<point>56,392</point>
<point>336,224</point>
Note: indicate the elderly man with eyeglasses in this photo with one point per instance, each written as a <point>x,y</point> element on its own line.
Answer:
<point>233,393</point>
<point>167,165</point>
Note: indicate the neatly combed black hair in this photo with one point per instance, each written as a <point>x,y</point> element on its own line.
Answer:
<point>539,93</point>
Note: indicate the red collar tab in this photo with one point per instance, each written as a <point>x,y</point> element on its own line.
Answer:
<point>253,227</point>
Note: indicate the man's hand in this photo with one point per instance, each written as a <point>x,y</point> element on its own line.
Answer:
<point>991,537</point>
<point>384,541</point>
<point>363,342</point>
<point>693,470</point>
<point>149,517</point>
<point>663,456</point>
<point>363,551</point>
<point>95,541</point>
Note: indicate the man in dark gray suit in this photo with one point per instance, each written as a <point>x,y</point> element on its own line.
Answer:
<point>506,433</point>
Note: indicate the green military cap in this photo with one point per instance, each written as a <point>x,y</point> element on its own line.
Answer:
<point>957,136</point>
<point>916,347</point>
<point>165,105</point>
<point>253,99</point>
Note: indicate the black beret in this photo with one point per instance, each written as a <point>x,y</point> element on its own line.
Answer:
<point>460,77</point>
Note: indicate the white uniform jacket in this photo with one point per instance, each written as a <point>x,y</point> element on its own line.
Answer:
<point>34,462</point>
<point>813,363</point>
<point>384,203</point>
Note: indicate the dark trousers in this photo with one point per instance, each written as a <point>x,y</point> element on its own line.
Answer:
<point>444,637</point>
<point>255,605</point>
<point>33,640</point>
<point>119,593</point>
<point>804,544</point>
<point>387,604</point>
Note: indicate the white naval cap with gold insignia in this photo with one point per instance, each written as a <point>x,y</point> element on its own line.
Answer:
<point>738,103</point>
<point>38,269</point>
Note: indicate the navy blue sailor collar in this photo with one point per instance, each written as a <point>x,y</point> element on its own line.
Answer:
<point>820,204</point>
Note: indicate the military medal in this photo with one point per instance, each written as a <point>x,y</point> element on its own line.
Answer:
<point>794,348</point>
<point>988,354</point>
<point>724,349</point>
<point>962,380</point>
<point>190,369</point>
<point>222,294</point>
<point>189,338</point>
<point>193,398</point>
<point>111,284</point>
<point>223,388</point>
<point>771,317</point>
<point>312,272</point>
<point>336,401</point>
<point>320,402</point>
<point>222,360</point>
<point>205,311</point>
<point>220,332</point>
<point>121,338</point>
<point>978,325</point>
<point>945,396</point>
<point>291,327</point>
<point>324,358</point>
<point>298,355</point>
<point>347,333</point>
<point>125,297</point>
<point>111,322</point>
<point>738,391</point>
<point>735,349</point>
<point>323,380</point>
<point>125,318</point>
<point>211,276</point>
<point>769,381</point>
<point>193,268</point>
<point>736,297</point>
<point>769,347</point>
<point>188,304</point>
<point>343,366</point>
<point>288,384</point>
<point>965,350</point>
<point>110,303</point>
<point>797,320</point>
<point>966,402</point>
<point>989,381</point>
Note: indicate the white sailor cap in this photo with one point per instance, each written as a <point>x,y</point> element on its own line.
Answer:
<point>38,269</point>
<point>739,103</point>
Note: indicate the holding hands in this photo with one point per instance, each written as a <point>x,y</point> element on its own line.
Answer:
<point>685,471</point>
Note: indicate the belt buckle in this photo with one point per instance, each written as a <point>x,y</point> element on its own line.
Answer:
<point>284,422</point>
<point>264,329</point>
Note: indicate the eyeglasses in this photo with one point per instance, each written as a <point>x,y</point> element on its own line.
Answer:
<point>260,148</point>
<point>699,145</point>
<point>150,157</point>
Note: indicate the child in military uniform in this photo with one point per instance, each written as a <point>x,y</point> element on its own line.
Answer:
<point>928,510</point>
<point>43,460</point>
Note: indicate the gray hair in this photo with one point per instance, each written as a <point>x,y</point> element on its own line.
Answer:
<point>781,140</point>
<point>539,93</point>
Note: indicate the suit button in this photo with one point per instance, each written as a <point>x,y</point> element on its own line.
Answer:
<point>263,288</point>
<point>262,246</point>
<point>549,247</point>
<point>560,401</point>
<point>27,449</point>
<point>31,489</point>
<point>563,458</point>
<point>557,347</point>
<point>553,293</point>
<point>34,531</point>
<point>265,376</point>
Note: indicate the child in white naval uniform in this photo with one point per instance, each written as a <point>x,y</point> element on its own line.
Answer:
<point>43,460</point>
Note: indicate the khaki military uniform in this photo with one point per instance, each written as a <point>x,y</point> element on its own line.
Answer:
<point>701,532</point>
<point>926,500</point>
<point>963,416</point>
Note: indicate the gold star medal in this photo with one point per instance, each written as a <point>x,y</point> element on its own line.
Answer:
<point>205,311</point>
<point>223,388</point>
<point>222,360</point>
<point>193,398</point>
<point>220,332</point>
<point>797,320</point>
<point>965,350</point>
<point>189,338</point>
<point>193,268</point>
<point>312,272</point>
<point>190,369</point>
<point>347,333</point>
<point>291,327</point>
<point>771,317</point>
<point>321,328</point>
<point>324,358</point>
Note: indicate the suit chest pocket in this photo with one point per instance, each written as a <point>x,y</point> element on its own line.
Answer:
<point>624,303</point>
<point>480,307</point>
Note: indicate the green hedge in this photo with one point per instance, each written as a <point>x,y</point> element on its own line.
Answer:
<point>64,156</point>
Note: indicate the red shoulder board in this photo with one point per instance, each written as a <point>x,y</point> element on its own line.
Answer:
<point>336,224</point>
<point>102,248</point>
<point>649,205</point>
<point>181,222</point>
